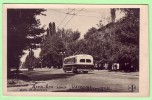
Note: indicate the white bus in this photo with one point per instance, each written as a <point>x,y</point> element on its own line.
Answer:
<point>78,63</point>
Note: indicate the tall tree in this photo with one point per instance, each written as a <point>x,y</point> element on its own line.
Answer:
<point>54,27</point>
<point>113,14</point>
<point>20,24</point>
<point>51,29</point>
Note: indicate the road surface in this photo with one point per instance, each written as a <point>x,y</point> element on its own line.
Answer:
<point>56,80</point>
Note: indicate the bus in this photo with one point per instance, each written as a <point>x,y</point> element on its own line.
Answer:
<point>78,63</point>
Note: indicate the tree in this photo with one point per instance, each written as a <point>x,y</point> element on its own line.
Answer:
<point>116,41</point>
<point>20,24</point>
<point>113,14</point>
<point>77,47</point>
<point>31,61</point>
<point>90,32</point>
<point>100,24</point>
<point>54,27</point>
<point>121,40</point>
<point>52,47</point>
<point>51,29</point>
<point>129,37</point>
<point>50,51</point>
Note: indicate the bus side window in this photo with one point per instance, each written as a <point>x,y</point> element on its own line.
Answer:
<point>66,61</point>
<point>88,60</point>
<point>74,60</point>
<point>82,60</point>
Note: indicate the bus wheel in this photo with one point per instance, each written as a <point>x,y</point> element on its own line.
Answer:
<point>65,71</point>
<point>85,71</point>
<point>75,72</point>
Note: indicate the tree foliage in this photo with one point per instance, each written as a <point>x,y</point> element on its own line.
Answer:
<point>51,49</point>
<point>116,42</point>
<point>31,61</point>
<point>20,24</point>
<point>120,40</point>
<point>55,45</point>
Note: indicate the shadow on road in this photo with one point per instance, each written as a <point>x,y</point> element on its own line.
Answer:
<point>40,75</point>
<point>79,73</point>
<point>45,77</point>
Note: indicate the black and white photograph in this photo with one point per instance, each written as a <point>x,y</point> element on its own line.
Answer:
<point>75,49</point>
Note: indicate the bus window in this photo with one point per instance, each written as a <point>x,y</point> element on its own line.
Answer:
<point>88,60</point>
<point>70,61</point>
<point>74,60</point>
<point>82,60</point>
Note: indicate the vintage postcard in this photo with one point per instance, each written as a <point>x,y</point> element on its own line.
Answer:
<point>75,50</point>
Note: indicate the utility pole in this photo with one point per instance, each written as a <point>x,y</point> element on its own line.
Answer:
<point>62,54</point>
<point>41,62</point>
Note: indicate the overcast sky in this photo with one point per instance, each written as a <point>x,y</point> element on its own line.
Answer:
<point>83,19</point>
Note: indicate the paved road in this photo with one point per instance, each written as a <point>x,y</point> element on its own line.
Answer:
<point>96,81</point>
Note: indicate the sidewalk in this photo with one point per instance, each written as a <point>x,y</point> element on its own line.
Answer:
<point>117,72</point>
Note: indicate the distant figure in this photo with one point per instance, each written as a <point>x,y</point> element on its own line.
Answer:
<point>115,66</point>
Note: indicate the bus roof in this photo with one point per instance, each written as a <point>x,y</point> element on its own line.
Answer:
<point>79,55</point>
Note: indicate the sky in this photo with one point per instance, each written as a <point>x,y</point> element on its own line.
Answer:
<point>80,19</point>
<point>84,19</point>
